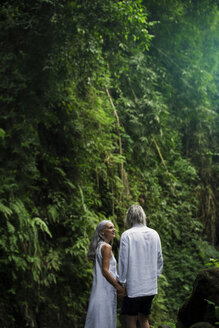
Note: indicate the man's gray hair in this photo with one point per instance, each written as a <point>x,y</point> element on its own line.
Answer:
<point>135,215</point>
<point>96,239</point>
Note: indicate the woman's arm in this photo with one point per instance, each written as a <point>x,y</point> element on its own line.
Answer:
<point>106,252</point>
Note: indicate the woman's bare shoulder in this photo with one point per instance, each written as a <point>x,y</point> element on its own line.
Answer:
<point>106,249</point>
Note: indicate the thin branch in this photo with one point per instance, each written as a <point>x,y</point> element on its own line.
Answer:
<point>159,152</point>
<point>122,169</point>
<point>118,130</point>
<point>163,161</point>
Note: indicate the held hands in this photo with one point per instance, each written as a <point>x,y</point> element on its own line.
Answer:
<point>121,292</point>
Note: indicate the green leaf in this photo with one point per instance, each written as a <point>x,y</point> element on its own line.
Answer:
<point>2,133</point>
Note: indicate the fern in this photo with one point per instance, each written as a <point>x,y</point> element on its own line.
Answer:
<point>52,212</point>
<point>43,226</point>
<point>5,210</point>
<point>11,228</point>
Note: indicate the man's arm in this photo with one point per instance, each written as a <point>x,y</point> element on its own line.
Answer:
<point>123,261</point>
<point>159,258</point>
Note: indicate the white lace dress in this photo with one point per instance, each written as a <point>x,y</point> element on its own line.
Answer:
<point>103,299</point>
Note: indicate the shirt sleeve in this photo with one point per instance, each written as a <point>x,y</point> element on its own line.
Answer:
<point>123,261</point>
<point>159,258</point>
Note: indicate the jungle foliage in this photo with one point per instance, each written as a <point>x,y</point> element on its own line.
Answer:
<point>104,104</point>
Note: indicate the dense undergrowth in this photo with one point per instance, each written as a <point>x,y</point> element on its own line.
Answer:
<point>104,104</point>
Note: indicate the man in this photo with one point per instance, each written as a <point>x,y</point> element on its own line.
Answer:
<point>140,264</point>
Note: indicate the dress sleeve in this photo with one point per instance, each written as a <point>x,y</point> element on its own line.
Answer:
<point>159,258</point>
<point>123,261</point>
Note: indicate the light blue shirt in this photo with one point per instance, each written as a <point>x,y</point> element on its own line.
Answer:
<point>140,261</point>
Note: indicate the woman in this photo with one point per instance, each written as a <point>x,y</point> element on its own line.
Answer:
<point>103,300</point>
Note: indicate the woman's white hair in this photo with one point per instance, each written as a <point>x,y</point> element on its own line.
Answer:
<point>135,215</point>
<point>97,238</point>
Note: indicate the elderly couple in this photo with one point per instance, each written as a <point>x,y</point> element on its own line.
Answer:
<point>140,264</point>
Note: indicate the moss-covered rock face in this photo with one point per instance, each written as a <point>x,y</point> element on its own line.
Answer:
<point>201,305</point>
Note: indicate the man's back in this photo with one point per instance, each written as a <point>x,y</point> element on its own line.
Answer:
<point>140,260</point>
